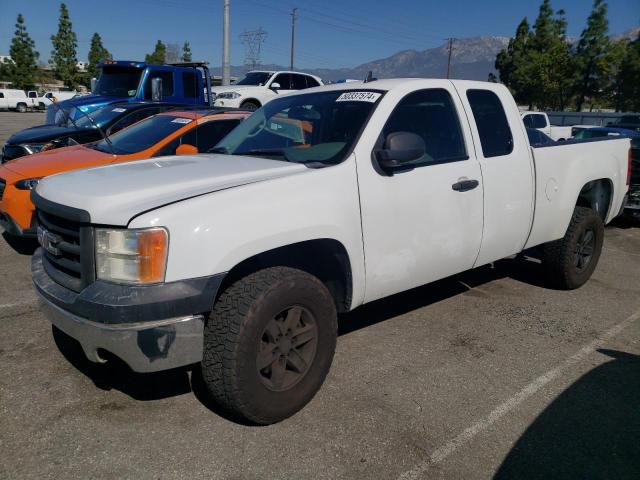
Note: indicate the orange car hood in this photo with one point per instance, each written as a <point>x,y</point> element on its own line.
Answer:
<point>57,161</point>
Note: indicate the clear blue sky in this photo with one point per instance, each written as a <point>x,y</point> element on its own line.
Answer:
<point>330,33</point>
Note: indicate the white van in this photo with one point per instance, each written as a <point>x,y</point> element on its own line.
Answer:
<point>14,99</point>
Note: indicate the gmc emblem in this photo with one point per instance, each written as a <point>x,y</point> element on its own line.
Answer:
<point>49,241</point>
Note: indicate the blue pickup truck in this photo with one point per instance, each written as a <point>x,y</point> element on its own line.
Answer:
<point>126,81</point>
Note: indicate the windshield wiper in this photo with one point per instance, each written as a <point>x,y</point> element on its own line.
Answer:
<point>266,151</point>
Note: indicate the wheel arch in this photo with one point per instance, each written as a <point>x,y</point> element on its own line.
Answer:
<point>325,258</point>
<point>597,195</point>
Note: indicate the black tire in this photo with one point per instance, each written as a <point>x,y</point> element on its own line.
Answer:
<point>237,336</point>
<point>250,105</point>
<point>570,261</point>
<point>42,106</point>
<point>21,107</point>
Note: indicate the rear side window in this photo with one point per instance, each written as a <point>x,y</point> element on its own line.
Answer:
<point>298,82</point>
<point>534,121</point>
<point>167,84</point>
<point>493,127</point>
<point>311,82</point>
<point>189,84</point>
<point>431,115</point>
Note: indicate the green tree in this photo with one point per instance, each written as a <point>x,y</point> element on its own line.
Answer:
<point>549,59</point>
<point>97,54</point>
<point>610,66</point>
<point>24,58</point>
<point>630,77</point>
<point>159,55</point>
<point>186,52</point>
<point>63,55</point>
<point>512,63</point>
<point>593,45</point>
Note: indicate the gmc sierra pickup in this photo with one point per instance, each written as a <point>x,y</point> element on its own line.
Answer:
<point>319,202</point>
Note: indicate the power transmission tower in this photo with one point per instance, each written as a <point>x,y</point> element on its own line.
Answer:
<point>293,34</point>
<point>226,68</point>
<point>449,60</point>
<point>253,40</point>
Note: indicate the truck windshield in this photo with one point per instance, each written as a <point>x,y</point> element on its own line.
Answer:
<point>314,128</point>
<point>99,118</point>
<point>142,135</point>
<point>118,81</point>
<point>255,78</point>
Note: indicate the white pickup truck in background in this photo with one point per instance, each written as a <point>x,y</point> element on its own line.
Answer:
<point>540,121</point>
<point>318,203</point>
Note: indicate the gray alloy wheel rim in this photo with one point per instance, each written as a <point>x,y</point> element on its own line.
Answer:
<point>287,348</point>
<point>585,246</point>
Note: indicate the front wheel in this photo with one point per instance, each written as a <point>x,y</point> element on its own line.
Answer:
<point>570,261</point>
<point>250,105</point>
<point>269,343</point>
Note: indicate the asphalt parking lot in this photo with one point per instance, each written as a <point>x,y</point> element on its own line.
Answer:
<point>486,374</point>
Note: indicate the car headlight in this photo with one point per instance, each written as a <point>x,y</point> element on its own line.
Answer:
<point>33,147</point>
<point>131,256</point>
<point>27,183</point>
<point>228,95</point>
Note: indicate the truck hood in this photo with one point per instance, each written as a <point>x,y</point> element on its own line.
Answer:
<point>114,194</point>
<point>39,134</point>
<point>91,101</point>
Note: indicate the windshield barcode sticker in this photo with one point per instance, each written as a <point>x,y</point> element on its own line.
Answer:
<point>181,120</point>
<point>119,110</point>
<point>359,97</point>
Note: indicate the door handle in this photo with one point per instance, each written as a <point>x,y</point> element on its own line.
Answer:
<point>465,185</point>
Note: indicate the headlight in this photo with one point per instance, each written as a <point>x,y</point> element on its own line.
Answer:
<point>27,184</point>
<point>132,256</point>
<point>229,95</point>
<point>33,147</point>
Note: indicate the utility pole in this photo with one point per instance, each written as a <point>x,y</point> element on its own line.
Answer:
<point>449,61</point>
<point>226,69</point>
<point>293,34</point>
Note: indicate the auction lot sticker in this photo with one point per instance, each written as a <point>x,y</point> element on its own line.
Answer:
<point>359,97</point>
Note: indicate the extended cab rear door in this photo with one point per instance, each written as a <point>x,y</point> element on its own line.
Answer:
<point>507,168</point>
<point>418,225</point>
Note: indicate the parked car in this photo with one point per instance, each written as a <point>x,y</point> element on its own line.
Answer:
<point>538,139</point>
<point>126,81</point>
<point>242,261</point>
<point>19,100</point>
<point>629,122</point>
<point>259,87</point>
<point>88,128</point>
<point>632,206</point>
<point>169,133</point>
<point>53,97</point>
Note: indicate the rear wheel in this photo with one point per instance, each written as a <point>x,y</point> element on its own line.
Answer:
<point>21,107</point>
<point>570,261</point>
<point>250,105</point>
<point>269,343</point>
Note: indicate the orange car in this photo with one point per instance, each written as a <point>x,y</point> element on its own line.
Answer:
<point>169,133</point>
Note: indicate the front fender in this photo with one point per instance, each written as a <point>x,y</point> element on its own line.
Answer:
<point>212,233</point>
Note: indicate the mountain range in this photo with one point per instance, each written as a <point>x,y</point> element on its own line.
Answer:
<point>472,59</point>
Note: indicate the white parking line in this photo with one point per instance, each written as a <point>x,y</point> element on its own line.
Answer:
<point>444,451</point>
<point>19,304</point>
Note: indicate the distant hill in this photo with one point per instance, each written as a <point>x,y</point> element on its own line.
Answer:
<point>473,59</point>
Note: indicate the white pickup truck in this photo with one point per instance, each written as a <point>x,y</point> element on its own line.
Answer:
<point>321,201</point>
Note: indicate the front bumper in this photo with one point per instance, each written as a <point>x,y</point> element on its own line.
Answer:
<point>150,328</point>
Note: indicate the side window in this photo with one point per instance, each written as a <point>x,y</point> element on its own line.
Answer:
<point>189,84</point>
<point>1,95</point>
<point>493,127</point>
<point>311,82</point>
<point>298,82</point>
<point>33,95</point>
<point>431,115</point>
<point>210,133</point>
<point>284,79</point>
<point>534,120</point>
<point>528,121</point>
<point>167,83</point>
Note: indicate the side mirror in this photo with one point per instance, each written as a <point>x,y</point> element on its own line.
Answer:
<point>275,86</point>
<point>186,149</point>
<point>94,81</point>
<point>400,148</point>
<point>156,89</point>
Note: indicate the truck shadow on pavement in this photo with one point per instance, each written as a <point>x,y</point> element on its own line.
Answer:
<point>590,431</point>
<point>115,374</point>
